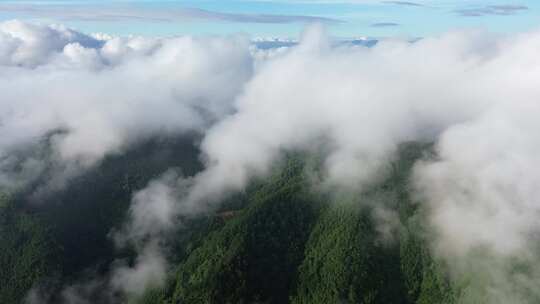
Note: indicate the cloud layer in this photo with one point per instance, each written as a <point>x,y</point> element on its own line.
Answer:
<point>93,97</point>
<point>474,94</point>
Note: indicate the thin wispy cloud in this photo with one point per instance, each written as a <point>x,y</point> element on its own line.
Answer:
<point>385,24</point>
<point>405,3</point>
<point>80,13</point>
<point>490,10</point>
<point>259,18</point>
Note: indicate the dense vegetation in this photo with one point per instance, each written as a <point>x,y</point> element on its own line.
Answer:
<point>28,254</point>
<point>294,244</point>
<point>254,257</point>
<point>282,240</point>
<point>64,235</point>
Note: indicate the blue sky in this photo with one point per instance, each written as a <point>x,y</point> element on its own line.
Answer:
<point>279,17</point>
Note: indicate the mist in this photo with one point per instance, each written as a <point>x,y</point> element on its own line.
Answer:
<point>94,97</point>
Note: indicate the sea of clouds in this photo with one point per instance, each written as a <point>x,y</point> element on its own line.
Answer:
<point>474,94</point>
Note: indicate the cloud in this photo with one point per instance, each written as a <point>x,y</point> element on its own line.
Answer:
<point>497,10</point>
<point>30,45</point>
<point>171,14</point>
<point>260,18</point>
<point>404,3</point>
<point>336,93</point>
<point>481,191</point>
<point>152,215</point>
<point>148,271</point>
<point>81,98</point>
<point>385,24</point>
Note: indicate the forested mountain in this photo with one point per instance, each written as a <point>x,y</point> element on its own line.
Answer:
<point>64,236</point>
<point>284,239</point>
<point>291,244</point>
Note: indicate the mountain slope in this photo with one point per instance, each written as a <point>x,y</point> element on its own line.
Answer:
<point>293,244</point>
<point>254,257</point>
<point>282,240</point>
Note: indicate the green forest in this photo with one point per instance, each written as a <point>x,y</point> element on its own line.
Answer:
<point>282,240</point>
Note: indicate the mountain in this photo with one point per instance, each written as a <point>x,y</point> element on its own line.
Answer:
<point>275,43</point>
<point>285,239</point>
<point>292,245</point>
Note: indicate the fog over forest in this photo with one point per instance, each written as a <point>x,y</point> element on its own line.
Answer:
<point>74,104</point>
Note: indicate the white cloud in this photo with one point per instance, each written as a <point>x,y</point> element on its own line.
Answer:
<point>101,96</point>
<point>363,101</point>
<point>149,271</point>
<point>28,45</point>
